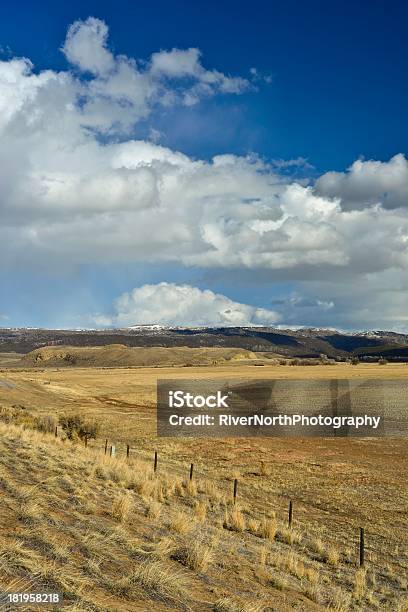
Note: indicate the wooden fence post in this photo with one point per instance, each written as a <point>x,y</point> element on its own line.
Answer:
<point>106,446</point>
<point>155,462</point>
<point>191,471</point>
<point>361,546</point>
<point>56,431</point>
<point>235,490</point>
<point>112,451</point>
<point>290,514</point>
<point>86,440</point>
<point>127,451</point>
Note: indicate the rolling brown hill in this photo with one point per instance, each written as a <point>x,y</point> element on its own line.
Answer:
<point>121,355</point>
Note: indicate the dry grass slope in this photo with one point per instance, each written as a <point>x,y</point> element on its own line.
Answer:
<point>114,355</point>
<point>111,535</point>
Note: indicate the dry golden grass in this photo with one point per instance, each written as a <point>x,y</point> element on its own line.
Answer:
<point>360,585</point>
<point>289,535</point>
<point>264,555</point>
<point>268,528</point>
<point>402,606</point>
<point>313,592</point>
<point>30,511</point>
<point>154,509</point>
<point>60,525</point>
<point>195,554</point>
<point>233,604</point>
<point>264,469</point>
<point>317,546</point>
<point>191,488</point>
<point>120,355</point>
<point>180,523</point>
<point>158,579</point>
<point>121,507</point>
<point>339,601</point>
<point>200,511</point>
<point>291,563</point>
<point>234,520</point>
<point>253,526</point>
<point>332,556</point>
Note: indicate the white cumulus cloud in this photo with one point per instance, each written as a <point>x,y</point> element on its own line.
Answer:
<point>86,46</point>
<point>171,304</point>
<point>124,90</point>
<point>77,188</point>
<point>368,183</point>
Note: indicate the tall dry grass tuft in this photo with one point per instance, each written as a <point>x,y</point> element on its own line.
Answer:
<point>151,489</point>
<point>313,592</point>
<point>264,469</point>
<point>234,520</point>
<point>30,511</point>
<point>263,556</point>
<point>360,584</point>
<point>154,509</point>
<point>290,563</point>
<point>200,511</point>
<point>180,523</point>
<point>317,546</point>
<point>268,528</point>
<point>253,526</point>
<point>339,600</point>
<point>46,423</point>
<point>332,556</point>
<point>191,488</point>
<point>289,535</point>
<point>158,579</point>
<point>195,554</point>
<point>121,507</point>
<point>213,494</point>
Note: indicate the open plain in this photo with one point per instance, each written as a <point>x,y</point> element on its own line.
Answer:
<point>222,556</point>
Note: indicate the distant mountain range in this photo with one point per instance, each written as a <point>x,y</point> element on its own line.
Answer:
<point>305,342</point>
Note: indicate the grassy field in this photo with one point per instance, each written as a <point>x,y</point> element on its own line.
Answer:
<point>114,536</point>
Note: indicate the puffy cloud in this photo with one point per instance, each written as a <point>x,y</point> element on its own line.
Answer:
<point>66,193</point>
<point>124,90</point>
<point>367,183</point>
<point>179,63</point>
<point>171,304</point>
<point>86,46</point>
<point>71,194</point>
<point>18,87</point>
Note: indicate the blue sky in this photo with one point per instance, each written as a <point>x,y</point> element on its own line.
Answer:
<point>308,101</point>
<point>339,69</point>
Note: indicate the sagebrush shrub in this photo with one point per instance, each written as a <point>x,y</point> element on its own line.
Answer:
<point>75,426</point>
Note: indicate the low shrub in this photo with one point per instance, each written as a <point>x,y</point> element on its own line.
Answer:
<point>75,426</point>
<point>46,423</point>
